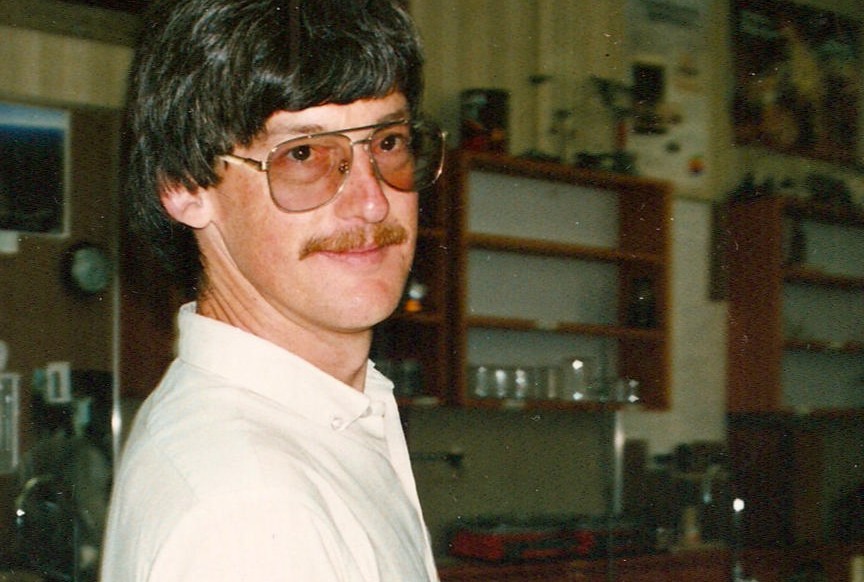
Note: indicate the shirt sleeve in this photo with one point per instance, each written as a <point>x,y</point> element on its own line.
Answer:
<point>260,538</point>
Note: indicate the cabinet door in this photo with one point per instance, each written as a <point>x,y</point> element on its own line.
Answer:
<point>556,266</point>
<point>754,258</point>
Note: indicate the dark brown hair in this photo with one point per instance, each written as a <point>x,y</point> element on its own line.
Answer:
<point>209,73</point>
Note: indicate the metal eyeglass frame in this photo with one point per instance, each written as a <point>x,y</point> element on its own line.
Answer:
<point>345,167</point>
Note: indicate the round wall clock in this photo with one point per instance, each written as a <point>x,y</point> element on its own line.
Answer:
<point>87,268</point>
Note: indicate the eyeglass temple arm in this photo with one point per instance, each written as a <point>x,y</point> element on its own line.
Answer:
<point>252,163</point>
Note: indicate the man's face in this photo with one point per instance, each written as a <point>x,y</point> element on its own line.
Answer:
<point>340,267</point>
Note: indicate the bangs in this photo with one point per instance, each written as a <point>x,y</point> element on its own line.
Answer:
<point>315,66</point>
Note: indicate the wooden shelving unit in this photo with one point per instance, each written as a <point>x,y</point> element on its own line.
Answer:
<point>760,307</point>
<point>531,225</point>
<point>795,360</point>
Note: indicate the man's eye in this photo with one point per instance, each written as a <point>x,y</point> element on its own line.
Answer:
<point>392,142</point>
<point>306,154</point>
<point>299,153</point>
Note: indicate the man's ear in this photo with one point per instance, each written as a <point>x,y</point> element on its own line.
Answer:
<point>189,207</point>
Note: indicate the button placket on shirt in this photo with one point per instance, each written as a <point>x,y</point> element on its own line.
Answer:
<point>372,422</point>
<point>375,409</point>
<point>337,422</point>
<point>372,415</point>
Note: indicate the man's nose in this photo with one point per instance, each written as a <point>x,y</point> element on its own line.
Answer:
<point>363,192</point>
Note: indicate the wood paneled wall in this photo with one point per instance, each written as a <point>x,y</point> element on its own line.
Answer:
<point>43,67</point>
<point>503,43</point>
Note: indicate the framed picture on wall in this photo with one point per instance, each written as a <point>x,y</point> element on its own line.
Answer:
<point>797,79</point>
<point>33,168</point>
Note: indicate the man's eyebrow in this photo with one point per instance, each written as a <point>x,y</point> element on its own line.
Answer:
<point>282,132</point>
<point>395,116</point>
<point>294,130</point>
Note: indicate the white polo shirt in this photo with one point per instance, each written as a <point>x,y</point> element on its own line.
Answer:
<point>248,463</point>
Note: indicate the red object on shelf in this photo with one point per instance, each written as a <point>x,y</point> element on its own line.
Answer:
<point>514,544</point>
<point>504,541</point>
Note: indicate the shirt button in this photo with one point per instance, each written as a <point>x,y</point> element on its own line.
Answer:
<point>337,423</point>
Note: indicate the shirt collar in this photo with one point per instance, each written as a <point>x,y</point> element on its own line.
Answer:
<point>262,367</point>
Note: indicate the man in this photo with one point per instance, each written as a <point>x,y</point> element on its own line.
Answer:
<point>282,135</point>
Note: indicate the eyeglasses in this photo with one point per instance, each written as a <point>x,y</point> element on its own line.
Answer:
<point>307,172</point>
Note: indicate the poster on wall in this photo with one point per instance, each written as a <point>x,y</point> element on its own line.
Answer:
<point>797,79</point>
<point>667,49</point>
<point>33,153</point>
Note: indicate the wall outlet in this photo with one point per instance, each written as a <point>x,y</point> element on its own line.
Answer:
<point>58,382</point>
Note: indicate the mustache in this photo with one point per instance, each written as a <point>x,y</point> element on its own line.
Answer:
<point>381,235</point>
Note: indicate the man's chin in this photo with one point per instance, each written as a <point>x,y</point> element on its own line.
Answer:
<point>367,314</point>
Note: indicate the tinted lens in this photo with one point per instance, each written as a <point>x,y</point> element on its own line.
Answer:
<point>408,156</point>
<point>307,172</point>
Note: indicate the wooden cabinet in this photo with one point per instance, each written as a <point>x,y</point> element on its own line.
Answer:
<point>796,323</point>
<point>795,362</point>
<point>552,264</point>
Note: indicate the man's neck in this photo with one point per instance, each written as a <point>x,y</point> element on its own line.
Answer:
<point>343,355</point>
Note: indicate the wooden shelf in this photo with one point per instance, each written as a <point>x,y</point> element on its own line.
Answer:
<point>540,404</point>
<point>529,246</point>
<point>431,317</point>
<point>575,328</point>
<point>646,335</point>
<point>825,347</point>
<point>814,416</point>
<point>432,233</point>
<point>525,168</point>
<point>804,275</point>
<point>804,209</point>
